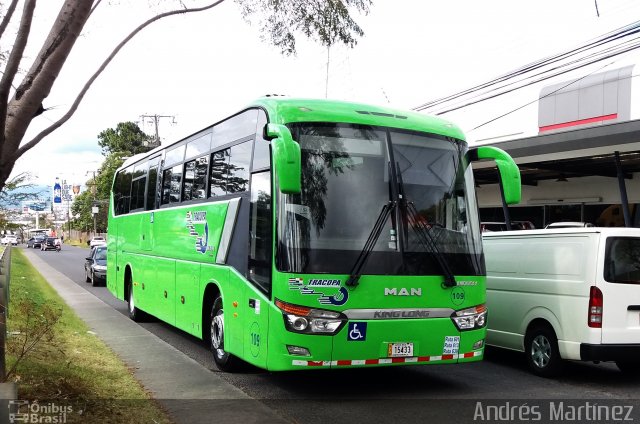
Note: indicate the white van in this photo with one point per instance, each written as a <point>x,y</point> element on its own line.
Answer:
<point>571,293</point>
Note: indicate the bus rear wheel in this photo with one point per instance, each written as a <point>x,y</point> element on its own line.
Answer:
<point>134,313</point>
<point>223,359</point>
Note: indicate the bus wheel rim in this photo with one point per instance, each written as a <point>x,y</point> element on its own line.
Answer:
<point>540,351</point>
<point>217,333</point>
<point>132,305</point>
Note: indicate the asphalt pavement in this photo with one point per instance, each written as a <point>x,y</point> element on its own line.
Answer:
<point>190,392</point>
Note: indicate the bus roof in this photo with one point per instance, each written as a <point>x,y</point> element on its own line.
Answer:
<point>284,110</point>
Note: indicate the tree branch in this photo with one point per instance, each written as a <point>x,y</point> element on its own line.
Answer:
<point>94,7</point>
<point>14,61</point>
<point>7,18</point>
<point>33,142</point>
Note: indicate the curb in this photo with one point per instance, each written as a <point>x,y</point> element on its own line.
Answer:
<point>167,373</point>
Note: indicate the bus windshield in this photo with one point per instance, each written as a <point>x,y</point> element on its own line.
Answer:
<point>349,173</point>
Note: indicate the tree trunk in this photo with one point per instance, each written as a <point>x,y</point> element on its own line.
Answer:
<point>37,83</point>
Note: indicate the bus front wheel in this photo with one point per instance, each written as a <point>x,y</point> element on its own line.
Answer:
<point>223,359</point>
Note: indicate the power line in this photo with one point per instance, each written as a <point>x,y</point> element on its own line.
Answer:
<point>612,36</point>
<point>538,99</point>
<point>560,70</point>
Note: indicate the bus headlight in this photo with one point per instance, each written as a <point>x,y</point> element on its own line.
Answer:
<point>471,318</point>
<point>300,319</point>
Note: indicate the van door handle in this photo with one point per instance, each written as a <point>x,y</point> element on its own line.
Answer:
<point>252,303</point>
<point>633,308</point>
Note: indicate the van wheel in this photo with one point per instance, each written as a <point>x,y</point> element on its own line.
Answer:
<point>629,368</point>
<point>223,359</point>
<point>541,349</point>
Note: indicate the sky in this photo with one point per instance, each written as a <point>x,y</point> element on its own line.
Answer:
<point>199,68</point>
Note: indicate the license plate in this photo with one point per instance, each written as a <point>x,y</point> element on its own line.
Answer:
<point>400,349</point>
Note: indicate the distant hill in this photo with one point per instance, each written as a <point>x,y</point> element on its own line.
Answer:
<point>42,191</point>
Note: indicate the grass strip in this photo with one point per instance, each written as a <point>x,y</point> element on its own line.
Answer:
<point>70,365</point>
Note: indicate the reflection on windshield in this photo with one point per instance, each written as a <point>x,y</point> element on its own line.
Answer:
<point>101,255</point>
<point>345,180</point>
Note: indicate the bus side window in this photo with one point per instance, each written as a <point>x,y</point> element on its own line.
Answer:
<point>176,179</point>
<point>189,176</point>
<point>195,179</point>
<point>166,186</point>
<point>122,191</point>
<point>238,176</point>
<point>137,193</point>
<point>152,184</point>
<point>230,170</point>
<point>218,174</point>
<point>260,230</point>
<point>261,156</point>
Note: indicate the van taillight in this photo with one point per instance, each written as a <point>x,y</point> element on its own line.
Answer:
<point>595,308</point>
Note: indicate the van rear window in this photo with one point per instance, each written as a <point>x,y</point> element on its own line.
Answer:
<point>622,264</point>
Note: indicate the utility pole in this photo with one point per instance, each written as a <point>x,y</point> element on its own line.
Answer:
<point>94,206</point>
<point>154,119</point>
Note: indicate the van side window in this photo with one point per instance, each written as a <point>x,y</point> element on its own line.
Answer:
<point>622,263</point>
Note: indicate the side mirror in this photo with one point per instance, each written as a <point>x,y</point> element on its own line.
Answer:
<point>509,172</point>
<point>286,158</point>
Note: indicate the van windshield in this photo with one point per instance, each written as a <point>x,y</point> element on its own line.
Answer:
<point>623,260</point>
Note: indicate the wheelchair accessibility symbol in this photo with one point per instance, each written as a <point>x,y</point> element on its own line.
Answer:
<point>357,331</point>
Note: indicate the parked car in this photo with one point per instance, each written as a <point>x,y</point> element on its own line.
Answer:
<point>50,243</point>
<point>555,225</point>
<point>35,242</point>
<point>95,266</point>
<point>97,241</point>
<point>9,239</point>
<point>569,294</point>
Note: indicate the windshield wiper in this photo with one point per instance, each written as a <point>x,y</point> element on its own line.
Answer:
<point>424,233</point>
<point>356,271</point>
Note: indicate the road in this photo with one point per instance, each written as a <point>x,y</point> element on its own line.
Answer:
<point>383,394</point>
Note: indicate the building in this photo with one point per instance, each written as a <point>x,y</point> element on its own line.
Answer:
<point>584,164</point>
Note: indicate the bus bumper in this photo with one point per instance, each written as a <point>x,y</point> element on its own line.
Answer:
<point>416,342</point>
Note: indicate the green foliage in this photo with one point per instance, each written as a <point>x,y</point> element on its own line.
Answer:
<point>325,21</point>
<point>34,334</point>
<point>127,139</point>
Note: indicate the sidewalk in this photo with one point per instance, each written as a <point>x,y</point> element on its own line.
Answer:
<point>180,384</point>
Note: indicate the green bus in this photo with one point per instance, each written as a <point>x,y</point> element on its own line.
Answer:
<point>302,234</point>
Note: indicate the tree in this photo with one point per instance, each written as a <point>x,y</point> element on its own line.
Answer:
<point>327,21</point>
<point>127,139</point>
